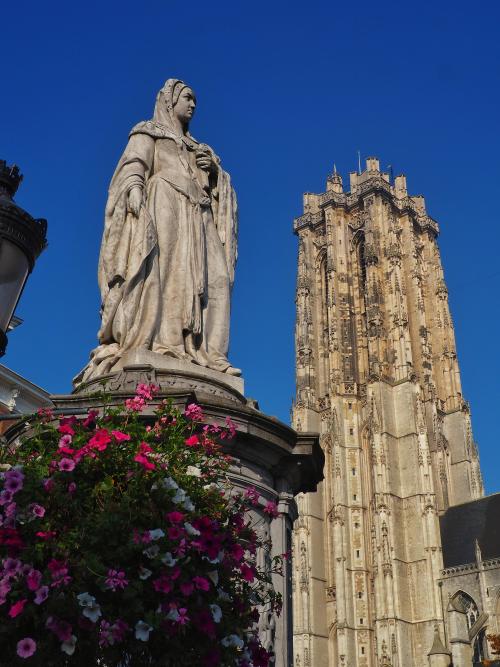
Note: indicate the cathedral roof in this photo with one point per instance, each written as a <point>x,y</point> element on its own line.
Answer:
<point>464,525</point>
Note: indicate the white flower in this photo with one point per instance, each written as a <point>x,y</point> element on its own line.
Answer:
<point>156,534</point>
<point>85,600</point>
<point>144,573</point>
<point>216,612</point>
<point>214,577</point>
<point>173,615</point>
<point>69,645</point>
<point>191,530</point>
<point>91,609</point>
<point>232,640</point>
<point>92,612</point>
<point>168,483</point>
<point>142,630</point>
<point>179,496</point>
<point>188,505</point>
<point>194,471</point>
<point>152,551</point>
<point>168,559</point>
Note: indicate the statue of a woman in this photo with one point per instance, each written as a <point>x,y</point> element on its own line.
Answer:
<point>168,251</point>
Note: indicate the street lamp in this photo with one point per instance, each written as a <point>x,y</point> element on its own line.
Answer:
<point>22,239</point>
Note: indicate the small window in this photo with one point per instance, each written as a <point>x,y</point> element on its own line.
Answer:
<point>360,595</point>
<point>362,650</point>
<point>356,525</point>
<point>361,621</point>
<point>357,553</point>
<point>351,431</point>
<point>349,406</point>
<point>354,472</point>
<point>354,497</point>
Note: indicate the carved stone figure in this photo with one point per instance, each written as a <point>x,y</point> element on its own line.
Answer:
<point>169,246</point>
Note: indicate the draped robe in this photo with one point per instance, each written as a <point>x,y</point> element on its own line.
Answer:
<point>165,276</point>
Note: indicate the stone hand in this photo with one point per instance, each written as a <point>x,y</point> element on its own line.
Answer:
<point>204,161</point>
<point>135,200</point>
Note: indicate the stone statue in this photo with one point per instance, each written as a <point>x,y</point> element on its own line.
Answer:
<point>169,246</point>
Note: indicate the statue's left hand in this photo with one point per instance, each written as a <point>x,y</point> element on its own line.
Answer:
<point>204,161</point>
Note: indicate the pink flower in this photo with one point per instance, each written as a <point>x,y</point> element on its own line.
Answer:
<point>231,428</point>
<point>193,441</point>
<point>193,412</point>
<point>183,617</point>
<point>247,572</point>
<point>26,647</point>
<point>100,440</point>
<point>237,552</point>
<point>142,456</point>
<point>187,588</point>
<point>66,465</point>
<point>201,583</point>
<point>162,584</point>
<point>119,436</point>
<point>65,428</point>
<point>45,414</point>
<point>147,391</point>
<point>116,579</point>
<point>90,419</point>
<point>17,608</point>
<point>33,579</point>
<point>59,573</point>
<point>175,517</point>
<point>71,487</point>
<point>46,534</point>
<point>253,495</point>
<point>65,440</point>
<point>136,404</point>
<point>37,510</point>
<point>271,509</point>
<point>48,485</point>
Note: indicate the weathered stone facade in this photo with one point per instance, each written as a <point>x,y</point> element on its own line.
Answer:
<point>378,377</point>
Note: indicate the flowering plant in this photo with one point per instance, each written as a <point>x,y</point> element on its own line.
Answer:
<point>122,543</point>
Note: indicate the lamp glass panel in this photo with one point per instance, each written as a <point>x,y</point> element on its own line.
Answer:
<point>14,270</point>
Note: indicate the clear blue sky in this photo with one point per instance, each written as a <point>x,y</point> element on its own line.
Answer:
<point>285,90</point>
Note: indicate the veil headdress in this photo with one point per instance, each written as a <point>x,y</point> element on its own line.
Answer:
<point>165,102</point>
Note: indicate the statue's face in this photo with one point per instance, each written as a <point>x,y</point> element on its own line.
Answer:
<point>185,106</point>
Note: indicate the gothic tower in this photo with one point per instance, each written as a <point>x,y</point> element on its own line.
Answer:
<point>378,377</point>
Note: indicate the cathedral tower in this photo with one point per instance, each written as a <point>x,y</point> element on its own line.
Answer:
<point>378,377</point>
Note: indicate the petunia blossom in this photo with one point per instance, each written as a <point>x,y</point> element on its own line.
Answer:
<point>26,647</point>
<point>66,465</point>
<point>17,608</point>
<point>142,630</point>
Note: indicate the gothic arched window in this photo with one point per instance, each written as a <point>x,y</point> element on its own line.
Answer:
<point>471,610</point>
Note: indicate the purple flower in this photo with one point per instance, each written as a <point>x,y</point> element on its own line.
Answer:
<point>5,497</point>
<point>41,595</point>
<point>11,567</point>
<point>13,484</point>
<point>26,647</point>
<point>66,465</point>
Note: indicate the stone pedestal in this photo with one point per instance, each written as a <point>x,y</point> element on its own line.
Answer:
<point>267,454</point>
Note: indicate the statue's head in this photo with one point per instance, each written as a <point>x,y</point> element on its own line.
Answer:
<point>177,101</point>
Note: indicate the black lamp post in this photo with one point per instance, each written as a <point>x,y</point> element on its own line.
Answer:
<point>22,239</point>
